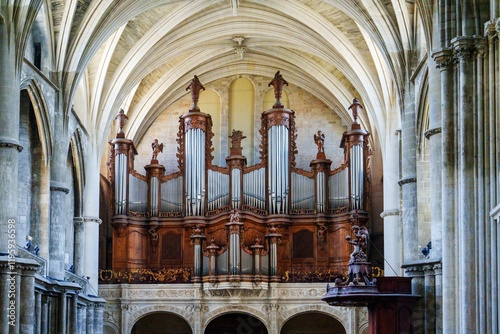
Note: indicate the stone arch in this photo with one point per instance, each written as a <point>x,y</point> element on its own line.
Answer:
<point>323,309</point>
<point>363,329</point>
<point>235,309</point>
<point>135,315</point>
<point>42,115</point>
<point>109,328</point>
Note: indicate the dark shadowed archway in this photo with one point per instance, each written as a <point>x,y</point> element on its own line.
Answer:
<point>236,323</point>
<point>161,323</point>
<point>313,323</point>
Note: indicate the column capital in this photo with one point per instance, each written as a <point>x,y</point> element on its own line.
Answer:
<point>464,47</point>
<point>490,29</point>
<point>444,58</point>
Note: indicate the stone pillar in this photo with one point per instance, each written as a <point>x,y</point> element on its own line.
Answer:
<point>82,323</point>
<point>45,314</point>
<point>482,207</point>
<point>27,301</point>
<point>7,279</point>
<point>61,313</point>
<point>90,220</point>
<point>98,318</point>
<point>57,244</point>
<point>464,48</point>
<point>416,271</point>
<point>391,214</point>
<point>408,182</point>
<point>79,246</point>
<point>438,281</point>
<point>429,299</point>
<point>38,312</point>
<point>90,318</point>
<point>73,317</point>
<point>445,61</point>
<point>433,134</point>
<point>91,227</point>
<point>9,134</point>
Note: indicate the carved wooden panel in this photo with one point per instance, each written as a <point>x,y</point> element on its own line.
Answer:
<point>137,247</point>
<point>171,246</point>
<point>303,242</point>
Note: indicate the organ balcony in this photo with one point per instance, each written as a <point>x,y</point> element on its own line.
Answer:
<point>237,224</point>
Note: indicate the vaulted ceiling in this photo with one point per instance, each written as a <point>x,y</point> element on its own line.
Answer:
<point>140,55</point>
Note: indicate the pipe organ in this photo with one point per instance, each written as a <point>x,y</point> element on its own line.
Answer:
<point>261,220</point>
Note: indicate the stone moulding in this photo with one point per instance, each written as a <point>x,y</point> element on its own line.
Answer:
<point>407,180</point>
<point>387,213</point>
<point>431,132</point>
<point>7,144</point>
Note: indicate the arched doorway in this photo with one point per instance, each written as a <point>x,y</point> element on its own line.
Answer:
<point>313,323</point>
<point>236,323</point>
<point>161,323</point>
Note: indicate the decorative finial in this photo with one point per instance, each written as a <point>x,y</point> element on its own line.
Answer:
<point>319,139</point>
<point>121,118</point>
<point>234,216</point>
<point>236,138</point>
<point>157,148</point>
<point>354,107</point>
<point>195,86</point>
<point>278,83</point>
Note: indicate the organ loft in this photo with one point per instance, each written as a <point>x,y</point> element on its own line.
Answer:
<point>255,224</point>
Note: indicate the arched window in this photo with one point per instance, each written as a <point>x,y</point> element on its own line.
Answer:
<point>242,114</point>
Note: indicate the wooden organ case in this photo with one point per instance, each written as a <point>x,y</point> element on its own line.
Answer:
<point>238,223</point>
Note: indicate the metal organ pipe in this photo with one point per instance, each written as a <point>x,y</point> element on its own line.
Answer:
<point>121,176</point>
<point>235,188</point>
<point>153,195</point>
<point>321,192</point>
<point>171,195</point>
<point>195,172</point>
<point>357,176</point>
<point>278,167</point>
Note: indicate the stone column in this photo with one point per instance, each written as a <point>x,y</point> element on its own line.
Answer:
<point>438,281</point>
<point>445,61</point>
<point>429,299</point>
<point>82,323</point>
<point>45,314</point>
<point>5,297</point>
<point>98,318</point>
<point>73,317</point>
<point>482,207</point>
<point>392,229</point>
<point>27,301</point>
<point>416,271</point>
<point>464,48</point>
<point>408,182</point>
<point>61,313</point>
<point>90,318</point>
<point>57,244</point>
<point>38,312</point>
<point>79,245</point>
<point>91,214</point>
<point>433,134</point>
<point>9,134</point>
<point>91,226</point>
